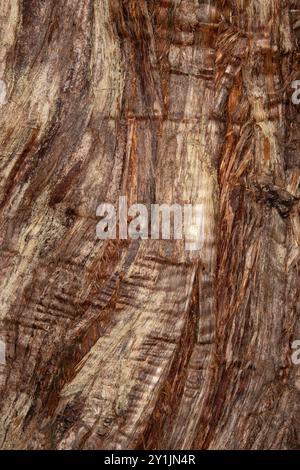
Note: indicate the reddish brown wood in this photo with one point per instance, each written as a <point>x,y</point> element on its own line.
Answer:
<point>123,344</point>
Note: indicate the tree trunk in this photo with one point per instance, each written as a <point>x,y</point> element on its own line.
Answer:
<point>126,344</point>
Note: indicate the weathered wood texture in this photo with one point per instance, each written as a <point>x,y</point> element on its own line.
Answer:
<point>139,344</point>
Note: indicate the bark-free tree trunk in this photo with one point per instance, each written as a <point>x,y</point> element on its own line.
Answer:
<point>142,344</point>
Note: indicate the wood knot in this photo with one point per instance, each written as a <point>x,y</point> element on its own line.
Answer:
<point>276,196</point>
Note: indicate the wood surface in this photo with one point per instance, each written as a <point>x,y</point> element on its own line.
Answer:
<point>141,344</point>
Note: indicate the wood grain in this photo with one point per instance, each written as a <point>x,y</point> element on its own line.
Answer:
<point>142,344</point>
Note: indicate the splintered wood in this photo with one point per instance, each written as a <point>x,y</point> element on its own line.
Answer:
<point>141,344</point>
